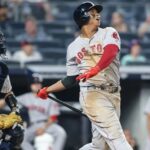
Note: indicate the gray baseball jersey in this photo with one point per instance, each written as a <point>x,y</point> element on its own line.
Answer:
<point>101,107</point>
<point>38,109</point>
<point>84,53</point>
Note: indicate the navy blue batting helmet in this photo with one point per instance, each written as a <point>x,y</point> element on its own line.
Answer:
<point>81,15</point>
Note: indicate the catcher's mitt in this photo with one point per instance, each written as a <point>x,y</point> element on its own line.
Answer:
<point>7,121</point>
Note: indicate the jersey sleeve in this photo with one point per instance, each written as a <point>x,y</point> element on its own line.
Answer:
<point>54,108</point>
<point>111,37</point>
<point>147,108</point>
<point>71,64</point>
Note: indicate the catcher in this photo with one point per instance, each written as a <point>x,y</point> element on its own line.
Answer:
<point>11,129</point>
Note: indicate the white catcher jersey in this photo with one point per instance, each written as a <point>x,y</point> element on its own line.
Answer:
<point>85,53</point>
<point>38,109</point>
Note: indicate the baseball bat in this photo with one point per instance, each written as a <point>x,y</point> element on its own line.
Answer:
<point>66,104</point>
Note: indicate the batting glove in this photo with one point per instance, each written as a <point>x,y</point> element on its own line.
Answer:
<point>43,93</point>
<point>88,74</point>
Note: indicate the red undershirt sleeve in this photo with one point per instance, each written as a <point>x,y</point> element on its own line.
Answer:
<point>110,52</point>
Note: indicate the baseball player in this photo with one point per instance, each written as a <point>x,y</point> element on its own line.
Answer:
<point>43,117</point>
<point>11,124</point>
<point>93,60</point>
<point>147,113</point>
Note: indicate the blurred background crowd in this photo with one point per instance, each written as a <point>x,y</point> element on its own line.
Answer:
<point>46,28</point>
<point>38,33</point>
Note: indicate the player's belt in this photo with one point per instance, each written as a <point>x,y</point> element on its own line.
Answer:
<point>103,87</point>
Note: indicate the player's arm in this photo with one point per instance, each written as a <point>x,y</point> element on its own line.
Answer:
<point>2,103</point>
<point>68,82</point>
<point>6,89</point>
<point>110,52</point>
<point>11,101</point>
<point>50,121</point>
<point>53,112</point>
<point>65,83</point>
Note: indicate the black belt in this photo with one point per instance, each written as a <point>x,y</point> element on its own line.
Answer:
<point>103,87</point>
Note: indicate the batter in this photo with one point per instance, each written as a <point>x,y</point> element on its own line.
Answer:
<point>93,61</point>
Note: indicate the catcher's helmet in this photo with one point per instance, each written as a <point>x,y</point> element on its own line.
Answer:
<point>81,15</point>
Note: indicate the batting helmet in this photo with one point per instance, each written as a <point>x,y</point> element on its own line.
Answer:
<point>81,15</point>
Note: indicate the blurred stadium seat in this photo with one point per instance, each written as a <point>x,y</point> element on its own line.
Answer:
<point>128,36</point>
<point>13,45</point>
<point>47,44</point>
<point>147,63</point>
<point>145,45</point>
<point>54,54</point>
<point>17,28</point>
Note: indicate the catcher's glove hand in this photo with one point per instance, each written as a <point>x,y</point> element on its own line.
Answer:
<point>7,121</point>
